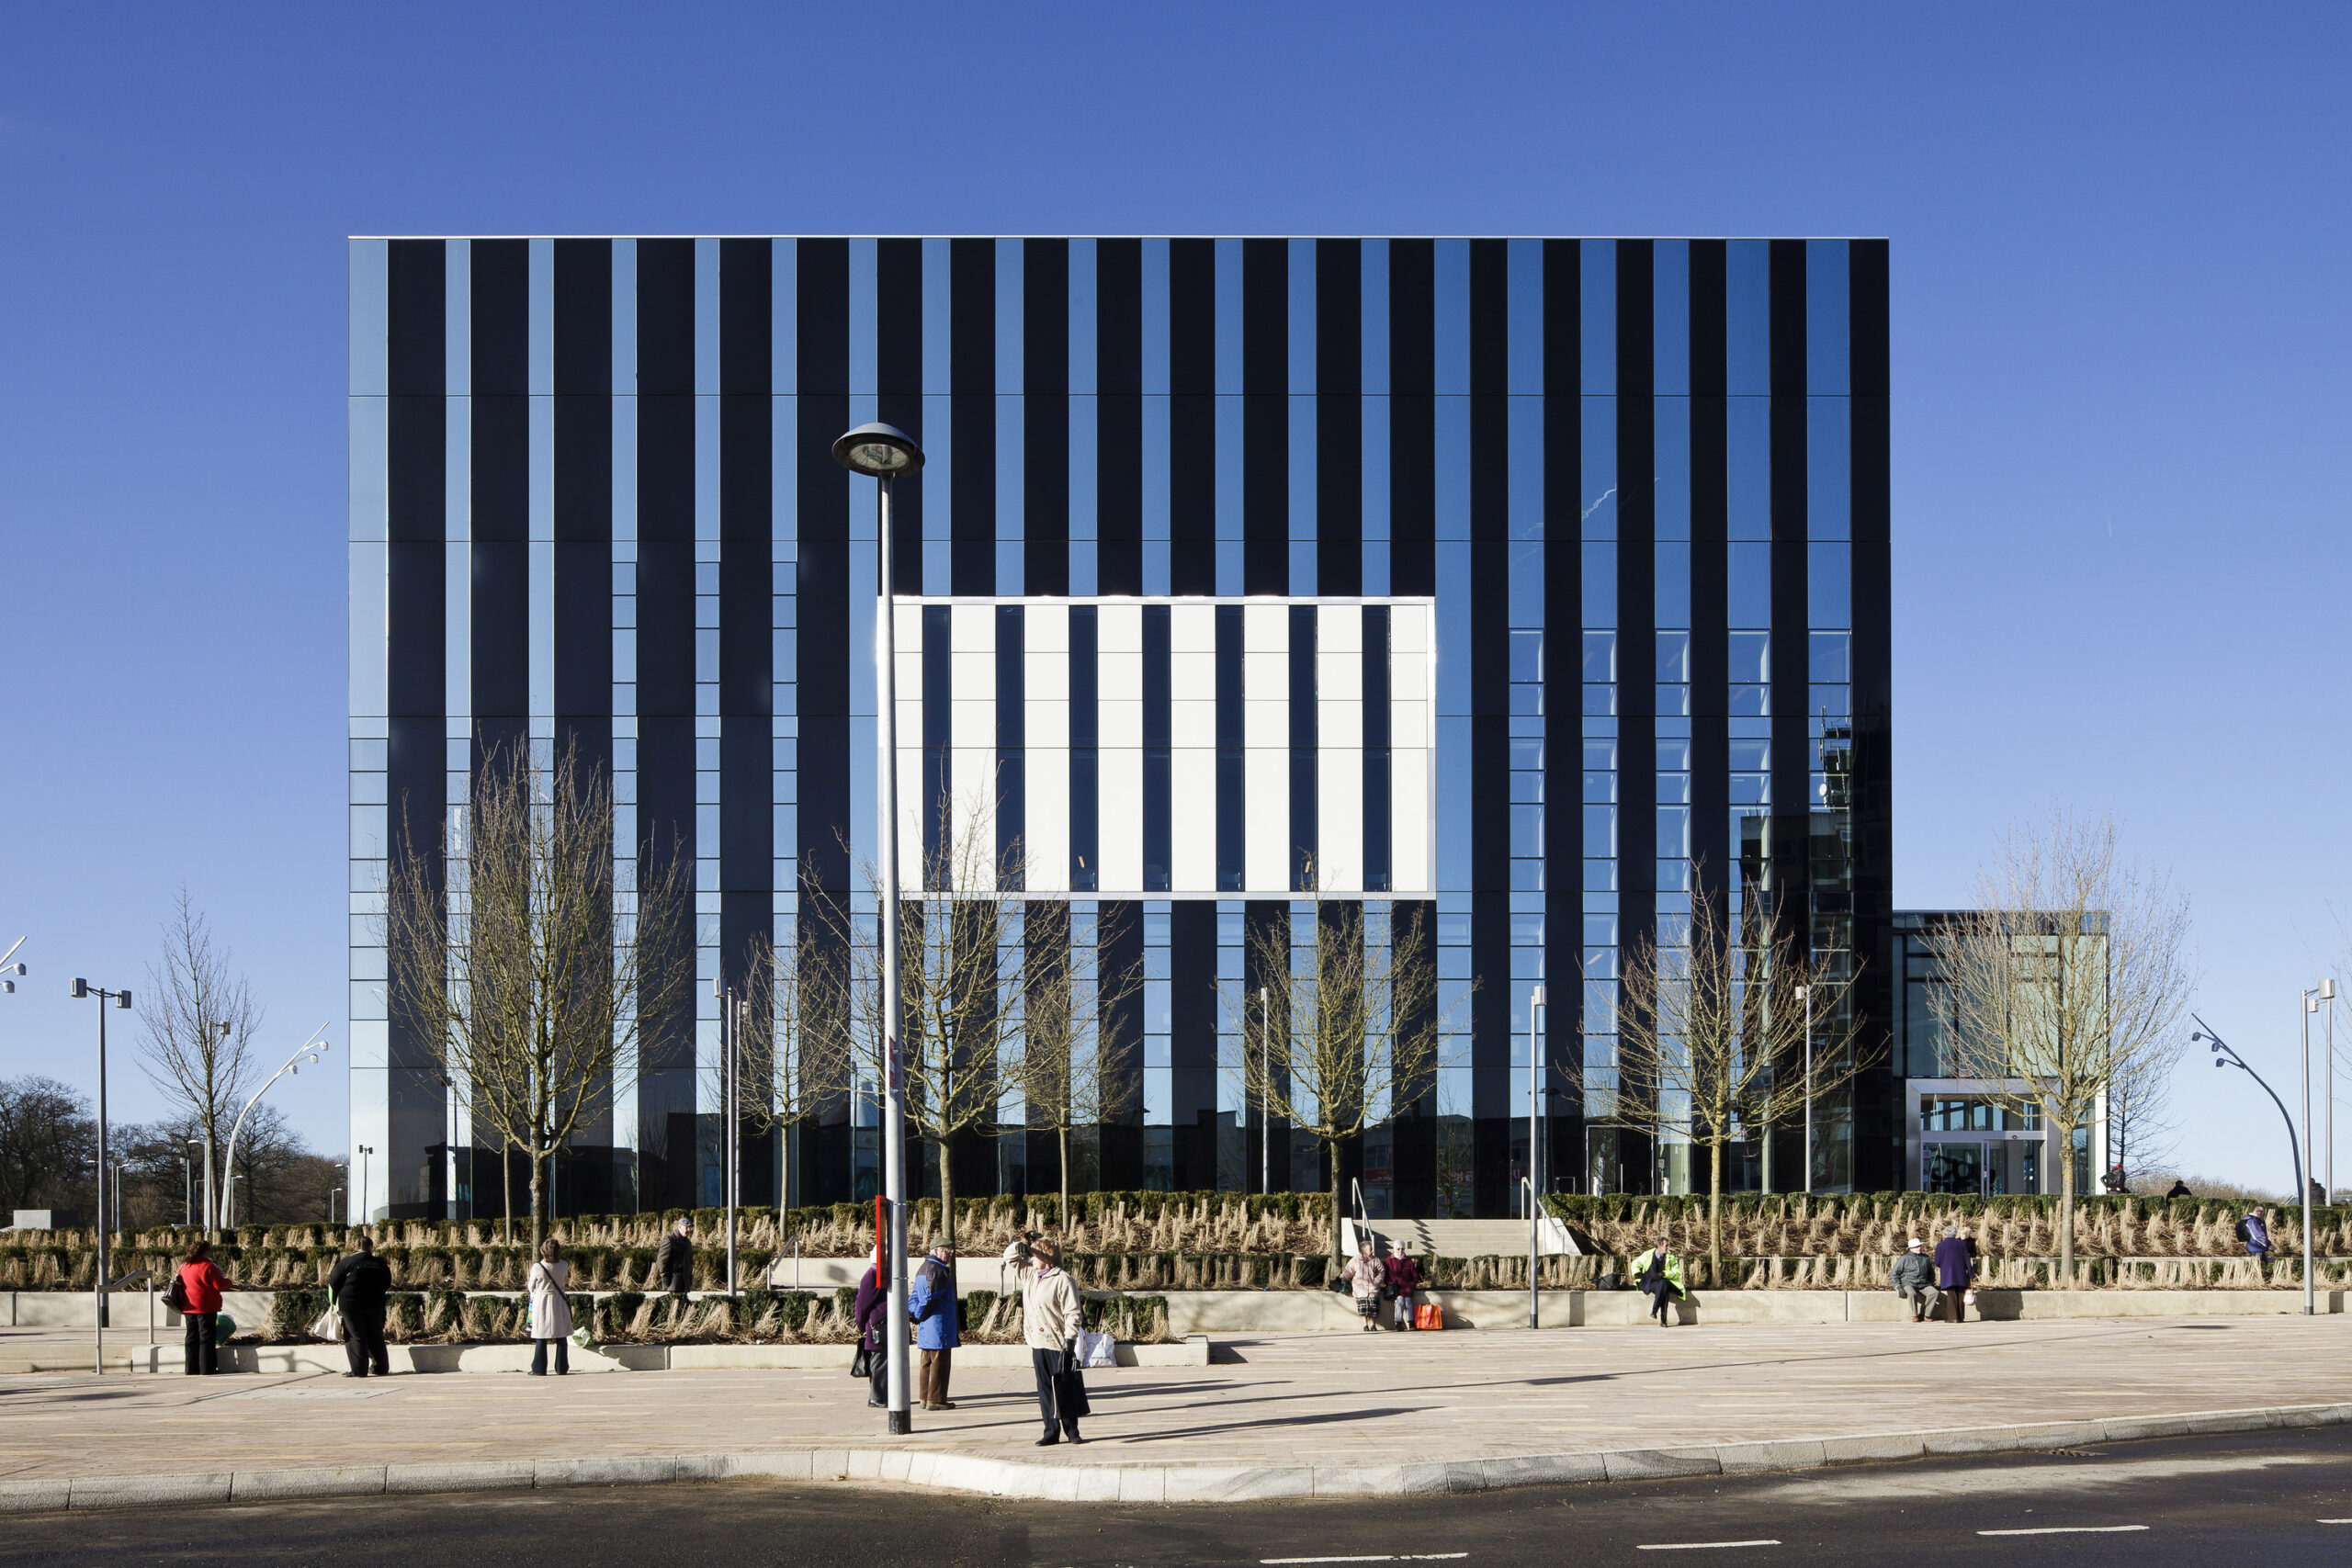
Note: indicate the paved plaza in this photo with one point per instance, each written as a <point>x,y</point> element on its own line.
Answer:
<point>1308,1399</point>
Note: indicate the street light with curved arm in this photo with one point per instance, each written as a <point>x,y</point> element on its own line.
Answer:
<point>309,1050</point>
<point>2226,1055</point>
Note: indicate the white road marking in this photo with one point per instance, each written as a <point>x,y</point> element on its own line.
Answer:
<point>2071,1529</point>
<point>1396,1557</point>
<point>1865,1486</point>
<point>2335,1521</point>
<point>1700,1545</point>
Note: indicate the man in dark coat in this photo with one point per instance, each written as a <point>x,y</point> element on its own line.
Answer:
<point>674,1263</point>
<point>359,1284</point>
<point>1955,1264</point>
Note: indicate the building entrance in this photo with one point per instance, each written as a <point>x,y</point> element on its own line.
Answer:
<point>1983,1167</point>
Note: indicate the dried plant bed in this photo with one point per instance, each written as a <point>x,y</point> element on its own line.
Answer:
<point>752,1317</point>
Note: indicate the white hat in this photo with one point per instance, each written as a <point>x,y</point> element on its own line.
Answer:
<point>1917,1244</point>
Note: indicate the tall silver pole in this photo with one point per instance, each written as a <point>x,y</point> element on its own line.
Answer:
<point>1534,1100</point>
<point>2308,1005</point>
<point>1804,993</point>
<point>894,1130</point>
<point>100,1284</point>
<point>2327,1118</point>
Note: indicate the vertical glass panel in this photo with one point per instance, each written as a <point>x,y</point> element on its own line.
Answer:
<point>1451,285</point>
<point>1750,584</point>
<point>1829,469</point>
<point>1599,502</point>
<point>1600,585</point>
<point>1747,436</point>
<point>1597,269</point>
<point>1747,304</point>
<point>1671,457</point>
<point>1829,588</point>
<point>369,271</point>
<point>1670,318</point>
<point>1828,362</point>
<point>1830,658</point>
<point>1673,585</point>
<point>1526,284</point>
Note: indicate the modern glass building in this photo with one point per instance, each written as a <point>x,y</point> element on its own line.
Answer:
<point>1539,582</point>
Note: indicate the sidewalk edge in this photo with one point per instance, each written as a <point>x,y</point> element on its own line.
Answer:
<point>1135,1483</point>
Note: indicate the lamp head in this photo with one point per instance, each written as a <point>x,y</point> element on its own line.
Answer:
<point>80,988</point>
<point>877,451</point>
<point>122,1002</point>
<point>2326,987</point>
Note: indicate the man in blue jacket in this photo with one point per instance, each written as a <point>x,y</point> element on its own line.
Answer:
<point>931,1301</point>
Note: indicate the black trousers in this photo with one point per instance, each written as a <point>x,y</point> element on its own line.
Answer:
<point>203,1356</point>
<point>363,1345</point>
<point>1054,1391</point>
<point>877,1361</point>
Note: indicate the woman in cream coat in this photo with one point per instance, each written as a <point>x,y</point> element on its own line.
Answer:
<point>551,1314</point>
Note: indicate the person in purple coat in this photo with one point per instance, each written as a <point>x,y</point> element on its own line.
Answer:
<point>1955,1264</point>
<point>872,1321</point>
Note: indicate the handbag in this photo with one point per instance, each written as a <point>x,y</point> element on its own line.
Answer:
<point>176,1294</point>
<point>861,1365</point>
<point>329,1327</point>
<point>1069,1392</point>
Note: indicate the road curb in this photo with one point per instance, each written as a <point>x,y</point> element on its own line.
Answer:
<point>1134,1482</point>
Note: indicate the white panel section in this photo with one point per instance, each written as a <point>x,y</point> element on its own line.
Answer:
<point>1192,627</point>
<point>1191,813</point>
<point>910,614</point>
<point>1046,834</point>
<point>1410,808</point>
<point>971,629</point>
<point>972,788</point>
<point>1339,765</point>
<point>1265,708</point>
<point>1119,717</point>
<point>1191,689</point>
<point>1121,822</point>
<point>972,715</point>
<point>910,806</point>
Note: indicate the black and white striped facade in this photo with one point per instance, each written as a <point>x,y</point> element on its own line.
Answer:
<point>1235,562</point>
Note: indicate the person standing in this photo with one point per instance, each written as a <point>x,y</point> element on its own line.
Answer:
<point>203,1283</point>
<point>358,1285</point>
<point>2178,1188</point>
<point>1052,1318</point>
<point>1366,1279</point>
<point>551,1314</point>
<point>1955,1265</point>
<point>931,1300</point>
<point>1914,1281</point>
<point>1404,1283</point>
<point>674,1262</point>
<point>873,1319</point>
<point>2255,1234</point>
<point>1659,1273</point>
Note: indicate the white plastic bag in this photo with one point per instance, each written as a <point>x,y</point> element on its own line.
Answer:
<point>1097,1350</point>
<point>329,1327</point>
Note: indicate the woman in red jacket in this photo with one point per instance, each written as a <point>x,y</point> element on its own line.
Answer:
<point>203,1283</point>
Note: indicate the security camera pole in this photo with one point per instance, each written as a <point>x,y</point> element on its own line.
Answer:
<point>881,452</point>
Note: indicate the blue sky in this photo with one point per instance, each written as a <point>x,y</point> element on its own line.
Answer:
<point>2120,336</point>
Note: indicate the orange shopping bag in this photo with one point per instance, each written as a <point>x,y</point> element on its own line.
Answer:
<point>1429,1315</point>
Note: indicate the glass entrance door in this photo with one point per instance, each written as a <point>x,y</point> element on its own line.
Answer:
<point>1982,1168</point>
<point>1953,1167</point>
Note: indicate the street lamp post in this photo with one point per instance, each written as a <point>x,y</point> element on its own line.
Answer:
<point>1804,995</point>
<point>309,1050</point>
<point>364,1151</point>
<point>187,1187</point>
<point>211,1129</point>
<point>1266,1105</point>
<point>1534,1157</point>
<point>2323,992</point>
<point>2225,1056</point>
<point>882,452</point>
<point>121,1000</point>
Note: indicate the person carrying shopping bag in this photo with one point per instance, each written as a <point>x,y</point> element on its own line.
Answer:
<point>551,1314</point>
<point>1404,1283</point>
<point>1052,1318</point>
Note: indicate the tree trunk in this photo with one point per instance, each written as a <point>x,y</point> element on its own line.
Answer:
<point>2066,1214</point>
<point>1715,1214</point>
<point>946,1144</point>
<point>1332,1151</point>
<point>1061,1220</point>
<point>538,1208</point>
<point>506,1171</point>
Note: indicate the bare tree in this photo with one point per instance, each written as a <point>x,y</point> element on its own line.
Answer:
<point>533,981</point>
<point>1078,1064</point>
<point>1355,1034</point>
<point>199,1029</point>
<point>961,960</point>
<point>49,1144</point>
<point>2141,1134</point>
<point>1712,1042</point>
<point>2070,977</point>
<point>792,1067</point>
